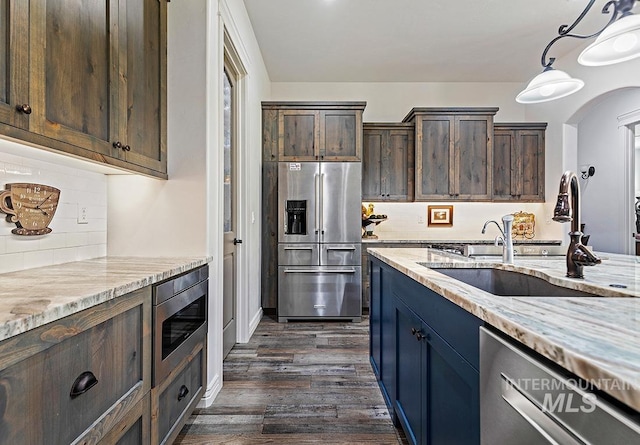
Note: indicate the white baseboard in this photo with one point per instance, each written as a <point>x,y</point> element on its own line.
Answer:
<point>213,388</point>
<point>255,321</point>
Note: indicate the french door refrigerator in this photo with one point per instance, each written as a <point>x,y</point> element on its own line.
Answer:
<point>319,240</point>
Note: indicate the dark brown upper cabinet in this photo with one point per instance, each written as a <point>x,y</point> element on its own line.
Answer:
<point>14,63</point>
<point>387,162</point>
<point>97,80</point>
<point>454,153</point>
<point>315,131</point>
<point>518,162</point>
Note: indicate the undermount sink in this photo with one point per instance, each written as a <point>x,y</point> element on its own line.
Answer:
<point>510,284</point>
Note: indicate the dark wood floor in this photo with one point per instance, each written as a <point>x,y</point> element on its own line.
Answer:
<point>297,383</point>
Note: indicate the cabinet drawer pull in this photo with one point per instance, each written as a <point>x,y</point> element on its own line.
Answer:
<point>24,108</point>
<point>418,335</point>
<point>83,383</point>
<point>182,393</point>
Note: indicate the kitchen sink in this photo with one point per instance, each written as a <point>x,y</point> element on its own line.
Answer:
<point>508,283</point>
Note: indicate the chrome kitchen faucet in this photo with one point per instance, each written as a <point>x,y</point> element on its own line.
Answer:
<point>505,238</point>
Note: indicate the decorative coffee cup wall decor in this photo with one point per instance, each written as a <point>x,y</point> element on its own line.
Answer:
<point>29,206</point>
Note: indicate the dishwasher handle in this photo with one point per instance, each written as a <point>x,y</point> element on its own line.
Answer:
<point>547,425</point>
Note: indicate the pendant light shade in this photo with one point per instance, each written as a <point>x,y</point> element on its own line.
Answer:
<point>551,84</point>
<point>619,42</point>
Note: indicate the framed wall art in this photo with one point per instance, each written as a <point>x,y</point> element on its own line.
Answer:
<point>440,216</point>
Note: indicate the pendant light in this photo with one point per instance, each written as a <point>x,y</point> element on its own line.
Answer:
<point>617,41</point>
<point>549,85</point>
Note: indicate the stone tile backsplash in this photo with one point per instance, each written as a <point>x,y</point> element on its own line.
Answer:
<point>68,241</point>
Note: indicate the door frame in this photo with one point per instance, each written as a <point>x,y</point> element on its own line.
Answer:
<point>232,58</point>
<point>626,138</point>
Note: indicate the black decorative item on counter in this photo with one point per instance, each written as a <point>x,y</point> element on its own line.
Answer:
<point>637,206</point>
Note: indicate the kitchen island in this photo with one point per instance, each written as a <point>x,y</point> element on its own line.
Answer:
<point>596,338</point>
<point>592,337</point>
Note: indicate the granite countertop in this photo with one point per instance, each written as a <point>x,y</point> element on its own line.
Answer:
<point>596,338</point>
<point>34,297</point>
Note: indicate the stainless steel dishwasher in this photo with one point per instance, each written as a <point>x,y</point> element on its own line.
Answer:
<point>525,402</point>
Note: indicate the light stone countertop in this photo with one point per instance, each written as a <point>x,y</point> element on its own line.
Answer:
<point>33,297</point>
<point>596,338</point>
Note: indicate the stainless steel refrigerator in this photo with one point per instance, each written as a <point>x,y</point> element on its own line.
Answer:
<point>319,240</point>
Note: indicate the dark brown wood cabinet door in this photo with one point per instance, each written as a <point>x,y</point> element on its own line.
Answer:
<point>473,157</point>
<point>532,146</point>
<point>298,135</point>
<point>143,88</point>
<point>434,157</point>
<point>398,160</point>
<point>518,162</point>
<point>340,135</point>
<point>504,166</point>
<point>372,152</point>
<point>74,77</point>
<point>387,162</point>
<point>14,62</point>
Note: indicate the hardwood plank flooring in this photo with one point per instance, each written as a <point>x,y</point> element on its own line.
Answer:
<point>297,383</point>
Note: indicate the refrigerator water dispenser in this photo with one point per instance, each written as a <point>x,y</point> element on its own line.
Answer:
<point>296,217</point>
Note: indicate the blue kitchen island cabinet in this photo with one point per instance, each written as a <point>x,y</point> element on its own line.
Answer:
<point>382,333</point>
<point>429,348</point>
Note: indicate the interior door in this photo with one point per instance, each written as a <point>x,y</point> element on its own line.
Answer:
<point>231,241</point>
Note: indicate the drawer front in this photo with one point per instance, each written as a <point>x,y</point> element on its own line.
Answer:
<point>319,292</point>
<point>177,399</point>
<point>42,384</point>
<point>340,255</point>
<point>298,255</point>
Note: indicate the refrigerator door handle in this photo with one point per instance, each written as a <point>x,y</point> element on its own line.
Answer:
<point>341,248</point>
<point>319,271</point>
<point>317,203</point>
<point>298,248</point>
<point>321,203</point>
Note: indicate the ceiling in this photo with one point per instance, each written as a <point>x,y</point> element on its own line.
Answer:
<point>413,40</point>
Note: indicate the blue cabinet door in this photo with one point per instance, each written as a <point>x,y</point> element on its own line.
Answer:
<point>410,402</point>
<point>453,391</point>
<point>375,320</point>
<point>388,355</point>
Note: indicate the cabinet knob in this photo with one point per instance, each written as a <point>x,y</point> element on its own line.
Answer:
<point>82,384</point>
<point>127,148</point>
<point>182,393</point>
<point>117,144</point>
<point>24,108</point>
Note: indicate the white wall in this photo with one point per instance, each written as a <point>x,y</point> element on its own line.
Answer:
<point>183,215</point>
<point>564,116</point>
<point>68,241</point>
<point>602,196</point>
<point>390,102</point>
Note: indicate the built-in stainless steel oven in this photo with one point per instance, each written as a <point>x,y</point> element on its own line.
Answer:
<point>179,319</point>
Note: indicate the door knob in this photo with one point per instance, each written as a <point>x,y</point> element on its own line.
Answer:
<point>237,241</point>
